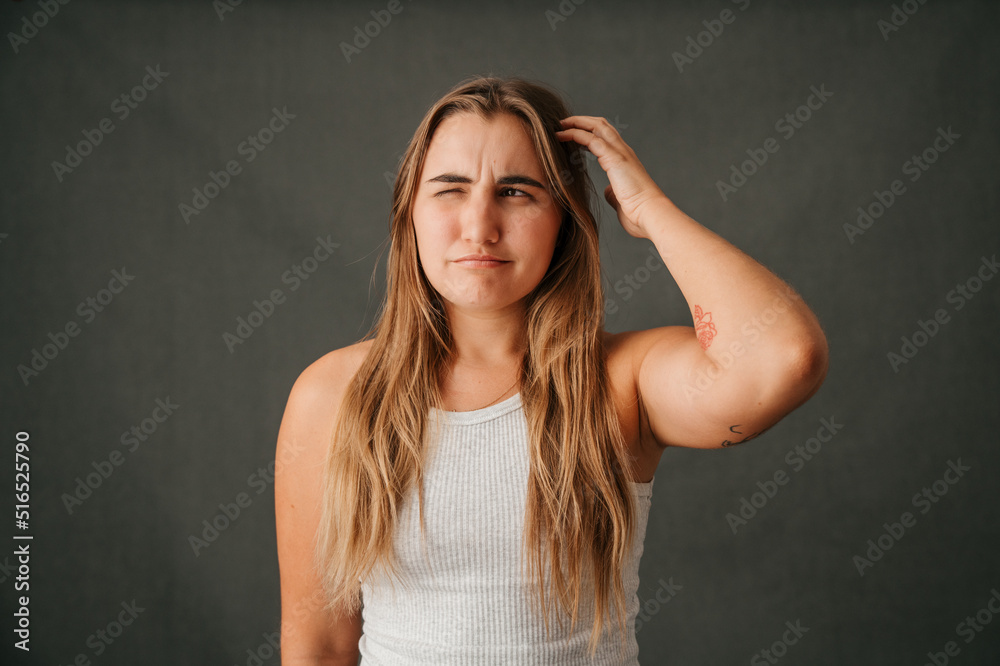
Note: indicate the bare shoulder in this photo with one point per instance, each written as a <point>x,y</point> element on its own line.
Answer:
<point>329,374</point>
<point>313,403</point>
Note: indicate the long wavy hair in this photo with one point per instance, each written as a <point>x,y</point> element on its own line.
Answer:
<point>580,520</point>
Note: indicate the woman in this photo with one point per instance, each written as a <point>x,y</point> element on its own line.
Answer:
<point>489,446</point>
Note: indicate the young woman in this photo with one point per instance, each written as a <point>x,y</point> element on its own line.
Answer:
<point>478,470</point>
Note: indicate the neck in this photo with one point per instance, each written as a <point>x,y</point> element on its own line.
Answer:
<point>488,341</point>
<point>488,352</point>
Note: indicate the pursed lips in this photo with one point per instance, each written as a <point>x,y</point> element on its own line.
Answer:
<point>481,260</point>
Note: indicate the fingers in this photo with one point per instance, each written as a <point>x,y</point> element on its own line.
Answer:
<point>595,124</point>
<point>595,133</point>
<point>609,196</point>
<point>585,138</point>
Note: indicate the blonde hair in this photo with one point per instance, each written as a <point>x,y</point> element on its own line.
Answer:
<point>580,517</point>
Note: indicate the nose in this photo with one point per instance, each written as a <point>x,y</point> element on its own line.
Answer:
<point>480,216</point>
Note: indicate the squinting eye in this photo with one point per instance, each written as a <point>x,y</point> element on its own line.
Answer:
<point>519,193</point>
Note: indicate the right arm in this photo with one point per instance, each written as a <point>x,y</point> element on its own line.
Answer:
<point>310,635</point>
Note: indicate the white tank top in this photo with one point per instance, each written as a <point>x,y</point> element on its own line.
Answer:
<point>472,604</point>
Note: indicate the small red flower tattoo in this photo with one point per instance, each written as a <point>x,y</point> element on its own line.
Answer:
<point>704,327</point>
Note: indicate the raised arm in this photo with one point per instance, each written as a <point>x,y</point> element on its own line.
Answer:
<point>756,351</point>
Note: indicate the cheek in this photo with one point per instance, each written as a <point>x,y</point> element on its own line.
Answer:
<point>432,218</point>
<point>425,243</point>
<point>431,237</point>
<point>421,225</point>
<point>544,228</point>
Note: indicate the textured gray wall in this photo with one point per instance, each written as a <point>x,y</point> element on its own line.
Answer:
<point>65,231</point>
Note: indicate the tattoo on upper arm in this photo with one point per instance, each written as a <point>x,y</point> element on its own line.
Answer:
<point>733,429</point>
<point>703,327</point>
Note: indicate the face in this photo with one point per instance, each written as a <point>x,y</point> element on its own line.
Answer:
<point>482,191</point>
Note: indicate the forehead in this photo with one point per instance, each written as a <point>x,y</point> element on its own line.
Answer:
<point>468,142</point>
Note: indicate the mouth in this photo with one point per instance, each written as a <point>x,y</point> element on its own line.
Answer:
<point>481,261</point>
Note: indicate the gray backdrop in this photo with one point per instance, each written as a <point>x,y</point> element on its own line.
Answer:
<point>152,412</point>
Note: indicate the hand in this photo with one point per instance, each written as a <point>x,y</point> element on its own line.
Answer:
<point>632,192</point>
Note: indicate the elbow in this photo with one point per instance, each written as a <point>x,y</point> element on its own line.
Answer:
<point>807,365</point>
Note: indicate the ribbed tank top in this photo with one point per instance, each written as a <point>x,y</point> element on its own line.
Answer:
<point>472,605</point>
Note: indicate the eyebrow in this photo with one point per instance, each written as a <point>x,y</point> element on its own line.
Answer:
<point>515,179</point>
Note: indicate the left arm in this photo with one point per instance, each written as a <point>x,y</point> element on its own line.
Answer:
<point>756,351</point>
